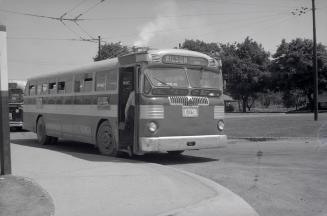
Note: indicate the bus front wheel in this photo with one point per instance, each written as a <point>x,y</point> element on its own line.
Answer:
<point>42,136</point>
<point>106,141</point>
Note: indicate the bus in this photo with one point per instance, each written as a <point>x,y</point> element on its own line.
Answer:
<point>15,103</point>
<point>177,103</point>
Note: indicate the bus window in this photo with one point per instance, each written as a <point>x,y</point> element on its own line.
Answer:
<point>100,81</point>
<point>32,90</point>
<point>203,79</point>
<point>44,88</point>
<point>168,77</point>
<point>26,90</point>
<point>68,86</point>
<point>88,81</point>
<point>78,84</point>
<point>39,89</point>
<point>61,87</point>
<point>52,88</point>
<point>112,80</point>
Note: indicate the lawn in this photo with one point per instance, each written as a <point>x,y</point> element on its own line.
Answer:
<point>275,125</point>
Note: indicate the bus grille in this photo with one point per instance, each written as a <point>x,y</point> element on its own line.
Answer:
<point>188,101</point>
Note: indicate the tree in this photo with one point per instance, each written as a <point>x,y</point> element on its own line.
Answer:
<point>292,69</point>
<point>111,50</point>
<point>245,67</point>
<point>210,49</point>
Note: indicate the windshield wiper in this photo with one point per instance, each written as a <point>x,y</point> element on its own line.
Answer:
<point>162,82</point>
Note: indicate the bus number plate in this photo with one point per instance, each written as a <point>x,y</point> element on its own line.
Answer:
<point>190,111</point>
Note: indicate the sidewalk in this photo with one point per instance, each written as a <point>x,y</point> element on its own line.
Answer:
<point>87,184</point>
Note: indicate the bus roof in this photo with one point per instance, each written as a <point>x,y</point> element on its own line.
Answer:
<point>122,60</point>
<point>181,52</point>
<point>98,65</point>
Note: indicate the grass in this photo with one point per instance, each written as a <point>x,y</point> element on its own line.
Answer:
<point>244,125</point>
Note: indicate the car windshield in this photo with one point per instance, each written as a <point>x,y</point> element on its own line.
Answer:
<point>180,78</point>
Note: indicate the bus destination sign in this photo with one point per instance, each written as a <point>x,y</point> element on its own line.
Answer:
<point>187,60</point>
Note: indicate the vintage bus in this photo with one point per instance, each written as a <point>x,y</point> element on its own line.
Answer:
<point>177,103</point>
<point>15,103</point>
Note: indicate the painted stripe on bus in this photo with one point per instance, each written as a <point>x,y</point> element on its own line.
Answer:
<point>110,110</point>
<point>77,99</point>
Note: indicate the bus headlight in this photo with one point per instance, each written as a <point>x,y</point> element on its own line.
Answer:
<point>152,127</point>
<point>220,125</point>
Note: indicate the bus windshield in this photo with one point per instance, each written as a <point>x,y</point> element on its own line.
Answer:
<point>203,78</point>
<point>183,78</point>
<point>168,77</point>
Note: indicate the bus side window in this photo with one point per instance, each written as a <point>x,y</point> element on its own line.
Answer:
<point>61,87</point>
<point>39,89</point>
<point>52,88</point>
<point>112,80</point>
<point>100,81</point>
<point>88,82</point>
<point>26,91</point>
<point>44,88</point>
<point>69,85</point>
<point>77,86</point>
<point>32,90</point>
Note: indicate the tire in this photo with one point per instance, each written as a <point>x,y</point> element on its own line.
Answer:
<point>106,141</point>
<point>175,153</point>
<point>41,132</point>
<point>53,140</point>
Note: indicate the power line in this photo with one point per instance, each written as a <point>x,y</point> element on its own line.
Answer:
<point>199,26</point>
<point>180,15</point>
<point>74,7</point>
<point>37,15</point>
<point>89,9</point>
<point>242,3</point>
<point>48,39</point>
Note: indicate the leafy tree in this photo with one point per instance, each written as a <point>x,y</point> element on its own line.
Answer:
<point>210,49</point>
<point>111,50</point>
<point>292,69</point>
<point>245,67</point>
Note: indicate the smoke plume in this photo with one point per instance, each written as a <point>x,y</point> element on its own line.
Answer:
<point>163,21</point>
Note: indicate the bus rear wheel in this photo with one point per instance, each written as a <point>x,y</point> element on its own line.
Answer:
<point>175,153</point>
<point>41,133</point>
<point>106,141</point>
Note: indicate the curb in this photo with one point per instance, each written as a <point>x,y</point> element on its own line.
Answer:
<point>225,202</point>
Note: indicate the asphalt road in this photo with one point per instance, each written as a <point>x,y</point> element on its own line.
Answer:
<point>283,175</point>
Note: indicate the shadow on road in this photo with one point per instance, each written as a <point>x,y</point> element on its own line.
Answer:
<point>166,159</point>
<point>89,152</point>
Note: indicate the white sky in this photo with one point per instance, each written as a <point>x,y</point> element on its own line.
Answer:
<point>39,45</point>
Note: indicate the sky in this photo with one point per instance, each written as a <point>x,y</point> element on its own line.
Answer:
<point>42,45</point>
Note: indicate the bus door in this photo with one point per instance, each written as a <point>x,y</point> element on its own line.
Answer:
<point>126,108</point>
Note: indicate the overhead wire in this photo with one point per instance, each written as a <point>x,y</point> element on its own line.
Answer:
<point>76,6</point>
<point>199,26</point>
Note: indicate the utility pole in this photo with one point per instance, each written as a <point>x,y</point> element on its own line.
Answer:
<point>314,63</point>
<point>5,157</point>
<point>299,12</point>
<point>99,49</point>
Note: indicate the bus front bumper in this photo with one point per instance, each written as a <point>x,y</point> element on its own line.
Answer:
<point>177,143</point>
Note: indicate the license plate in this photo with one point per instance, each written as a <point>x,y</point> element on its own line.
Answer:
<point>190,111</point>
<point>10,116</point>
